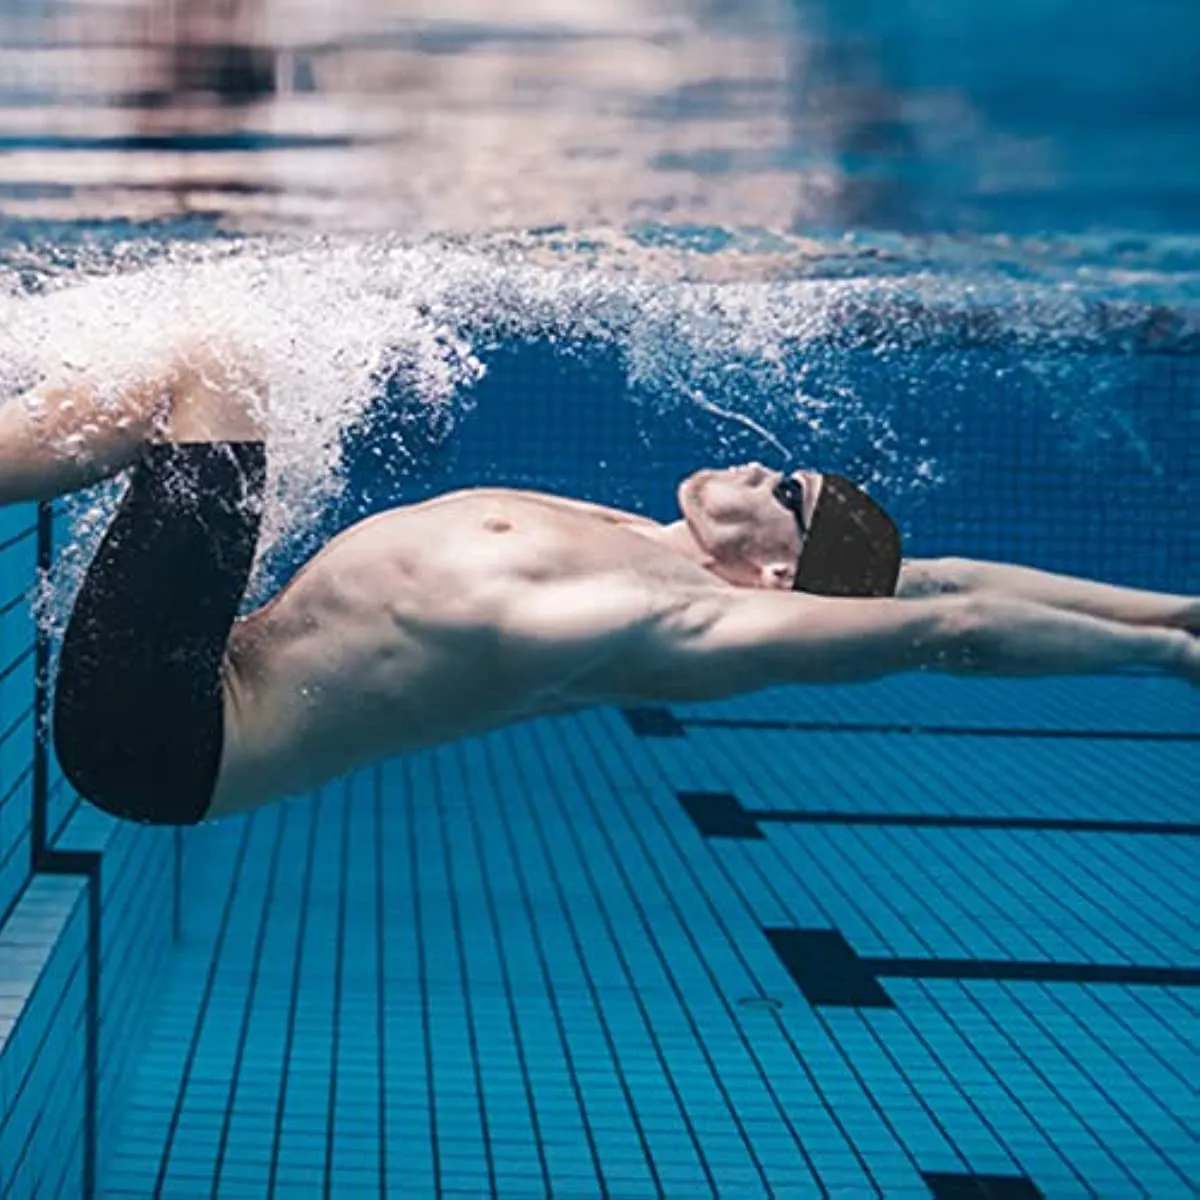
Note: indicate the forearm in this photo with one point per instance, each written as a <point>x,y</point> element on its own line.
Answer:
<point>993,635</point>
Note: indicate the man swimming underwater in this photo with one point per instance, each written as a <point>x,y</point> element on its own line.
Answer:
<point>480,607</point>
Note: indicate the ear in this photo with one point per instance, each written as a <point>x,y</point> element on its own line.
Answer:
<point>779,576</point>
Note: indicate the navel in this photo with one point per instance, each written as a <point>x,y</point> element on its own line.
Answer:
<point>497,525</point>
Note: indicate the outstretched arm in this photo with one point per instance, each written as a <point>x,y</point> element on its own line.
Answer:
<point>730,641</point>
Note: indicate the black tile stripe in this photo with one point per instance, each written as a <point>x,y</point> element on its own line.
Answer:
<point>658,721</point>
<point>947,1061</point>
<point>829,972</point>
<point>654,722</point>
<point>1005,970</point>
<point>717,814</point>
<point>826,969</point>
<point>948,1186</point>
<point>956,821</point>
<point>721,815</point>
<point>911,730</point>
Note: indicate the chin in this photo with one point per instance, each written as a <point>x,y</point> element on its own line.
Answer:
<point>687,489</point>
<point>687,497</point>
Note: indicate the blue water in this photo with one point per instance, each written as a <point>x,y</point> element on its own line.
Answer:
<point>925,937</point>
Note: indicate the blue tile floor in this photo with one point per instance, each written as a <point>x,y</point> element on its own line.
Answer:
<point>925,938</point>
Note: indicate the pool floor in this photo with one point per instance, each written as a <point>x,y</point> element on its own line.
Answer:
<point>922,938</point>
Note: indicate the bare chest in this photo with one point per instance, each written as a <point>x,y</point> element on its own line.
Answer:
<point>388,640</point>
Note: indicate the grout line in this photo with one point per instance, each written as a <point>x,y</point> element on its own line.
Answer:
<point>380,975</point>
<point>205,997</point>
<point>422,972</point>
<point>314,813</point>
<point>339,965</point>
<point>239,1053</point>
<point>462,957</point>
<point>18,538</point>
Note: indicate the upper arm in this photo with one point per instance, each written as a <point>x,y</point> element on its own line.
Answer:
<point>619,639</point>
<point>724,641</point>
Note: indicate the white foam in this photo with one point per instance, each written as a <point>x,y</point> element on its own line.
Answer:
<point>329,321</point>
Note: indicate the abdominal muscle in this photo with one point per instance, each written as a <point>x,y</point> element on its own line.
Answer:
<point>389,641</point>
<point>304,707</point>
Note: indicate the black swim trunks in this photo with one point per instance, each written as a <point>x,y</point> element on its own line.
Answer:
<point>138,708</point>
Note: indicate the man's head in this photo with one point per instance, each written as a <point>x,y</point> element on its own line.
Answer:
<point>803,531</point>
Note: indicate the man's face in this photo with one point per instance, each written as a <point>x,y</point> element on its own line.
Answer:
<point>733,514</point>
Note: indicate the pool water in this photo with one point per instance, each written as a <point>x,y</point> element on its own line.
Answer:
<point>923,937</point>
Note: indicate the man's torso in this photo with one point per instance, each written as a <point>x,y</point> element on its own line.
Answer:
<point>406,632</point>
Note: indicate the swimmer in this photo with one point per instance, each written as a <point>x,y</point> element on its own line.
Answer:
<point>482,607</point>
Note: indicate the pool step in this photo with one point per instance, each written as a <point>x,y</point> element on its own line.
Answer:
<point>43,1010</point>
<point>82,955</point>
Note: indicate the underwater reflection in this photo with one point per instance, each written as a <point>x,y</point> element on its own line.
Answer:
<point>805,116</point>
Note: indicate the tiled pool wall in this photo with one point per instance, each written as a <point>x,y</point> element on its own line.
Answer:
<point>89,917</point>
<point>90,908</point>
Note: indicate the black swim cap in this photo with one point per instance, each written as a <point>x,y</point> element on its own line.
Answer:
<point>852,547</point>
